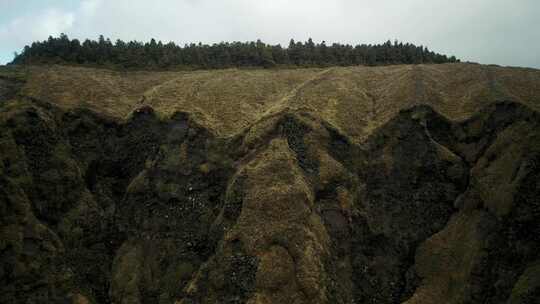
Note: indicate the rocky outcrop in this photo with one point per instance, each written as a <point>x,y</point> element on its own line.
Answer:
<point>161,210</point>
<point>490,245</point>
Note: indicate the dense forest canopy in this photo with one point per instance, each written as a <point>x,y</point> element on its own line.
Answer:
<point>157,55</point>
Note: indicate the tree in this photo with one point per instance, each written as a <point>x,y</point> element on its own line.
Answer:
<point>157,55</point>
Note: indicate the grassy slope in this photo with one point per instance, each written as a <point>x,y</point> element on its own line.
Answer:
<point>354,99</point>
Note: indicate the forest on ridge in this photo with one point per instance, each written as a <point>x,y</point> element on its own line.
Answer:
<point>158,55</point>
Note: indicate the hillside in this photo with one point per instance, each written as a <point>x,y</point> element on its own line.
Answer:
<point>388,184</point>
<point>354,99</point>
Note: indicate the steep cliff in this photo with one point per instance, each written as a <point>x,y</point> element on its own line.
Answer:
<point>347,185</point>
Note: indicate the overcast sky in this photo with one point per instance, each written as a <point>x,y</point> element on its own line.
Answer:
<point>505,32</point>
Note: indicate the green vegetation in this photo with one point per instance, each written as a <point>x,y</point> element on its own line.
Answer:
<point>156,55</point>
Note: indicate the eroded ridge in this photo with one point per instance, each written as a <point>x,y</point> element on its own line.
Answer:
<point>155,210</point>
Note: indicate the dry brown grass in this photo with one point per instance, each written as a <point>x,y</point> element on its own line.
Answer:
<point>353,99</point>
<point>111,92</point>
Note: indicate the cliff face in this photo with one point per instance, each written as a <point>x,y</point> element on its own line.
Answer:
<point>299,202</point>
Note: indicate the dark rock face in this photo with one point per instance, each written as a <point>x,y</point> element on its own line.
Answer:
<point>149,210</point>
<point>411,182</point>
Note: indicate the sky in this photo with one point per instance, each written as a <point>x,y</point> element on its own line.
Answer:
<point>504,32</point>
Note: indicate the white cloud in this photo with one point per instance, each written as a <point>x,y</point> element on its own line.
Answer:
<point>90,7</point>
<point>28,28</point>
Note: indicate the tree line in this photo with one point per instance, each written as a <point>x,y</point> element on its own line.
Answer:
<point>157,55</point>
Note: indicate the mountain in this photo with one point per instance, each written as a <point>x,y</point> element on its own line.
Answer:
<point>388,184</point>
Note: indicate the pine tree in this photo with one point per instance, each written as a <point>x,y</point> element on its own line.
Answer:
<point>154,54</point>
